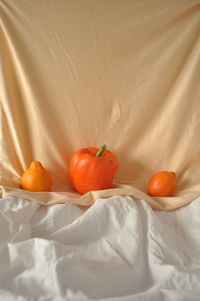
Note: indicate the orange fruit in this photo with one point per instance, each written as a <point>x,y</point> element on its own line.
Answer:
<point>92,169</point>
<point>162,183</point>
<point>36,178</point>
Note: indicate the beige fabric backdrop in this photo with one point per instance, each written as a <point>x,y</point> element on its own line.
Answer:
<point>86,73</point>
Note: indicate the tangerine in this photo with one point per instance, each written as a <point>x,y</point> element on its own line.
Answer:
<point>36,178</point>
<point>162,184</point>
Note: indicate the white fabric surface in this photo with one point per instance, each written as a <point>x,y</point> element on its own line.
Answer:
<point>118,249</point>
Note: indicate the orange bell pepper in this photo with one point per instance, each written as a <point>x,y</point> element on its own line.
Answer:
<point>92,169</point>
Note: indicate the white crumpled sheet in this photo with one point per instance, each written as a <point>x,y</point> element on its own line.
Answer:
<point>118,249</point>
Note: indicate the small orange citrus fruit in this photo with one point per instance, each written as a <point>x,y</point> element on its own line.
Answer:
<point>36,178</point>
<point>162,183</point>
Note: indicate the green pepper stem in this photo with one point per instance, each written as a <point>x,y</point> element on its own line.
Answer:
<point>100,151</point>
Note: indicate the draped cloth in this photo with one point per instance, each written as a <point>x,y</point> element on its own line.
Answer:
<point>86,73</point>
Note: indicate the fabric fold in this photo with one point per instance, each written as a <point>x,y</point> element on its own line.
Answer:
<point>124,74</point>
